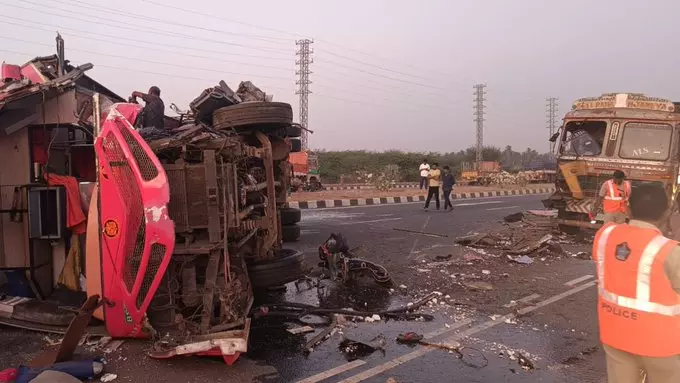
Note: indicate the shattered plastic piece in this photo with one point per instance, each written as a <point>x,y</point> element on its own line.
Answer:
<point>486,272</point>
<point>479,286</point>
<point>108,377</point>
<point>437,293</point>
<point>523,259</point>
<point>510,321</point>
<point>525,362</point>
<point>354,349</point>
<point>300,330</point>
<point>423,270</point>
<point>402,286</point>
<point>447,296</point>
<point>376,317</point>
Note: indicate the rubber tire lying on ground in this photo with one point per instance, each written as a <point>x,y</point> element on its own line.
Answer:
<point>289,266</point>
<point>290,233</point>
<point>271,114</point>
<point>290,215</point>
<point>295,145</point>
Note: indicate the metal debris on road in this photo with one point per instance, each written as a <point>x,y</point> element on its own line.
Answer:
<point>300,330</point>
<point>478,285</point>
<point>525,362</point>
<point>338,259</point>
<point>412,338</point>
<point>108,377</point>
<point>523,259</point>
<point>354,349</point>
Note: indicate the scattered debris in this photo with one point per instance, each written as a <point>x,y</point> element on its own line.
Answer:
<point>108,377</point>
<point>526,233</point>
<point>478,285</point>
<point>318,338</point>
<point>525,362</point>
<point>338,259</point>
<point>412,338</point>
<point>300,330</point>
<point>486,272</point>
<point>354,349</point>
<point>523,259</point>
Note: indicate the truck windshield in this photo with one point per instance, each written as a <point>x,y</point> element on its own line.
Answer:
<point>584,138</point>
<point>644,141</point>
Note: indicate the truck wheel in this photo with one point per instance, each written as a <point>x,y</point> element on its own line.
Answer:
<point>266,114</point>
<point>290,215</point>
<point>290,233</point>
<point>289,266</point>
<point>295,145</point>
<point>293,131</point>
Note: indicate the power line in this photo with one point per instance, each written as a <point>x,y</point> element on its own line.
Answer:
<point>382,75</point>
<point>296,35</point>
<point>551,117</point>
<point>132,26</point>
<point>373,65</point>
<point>31,26</point>
<point>303,81</point>
<point>479,120</point>
<point>174,23</point>
<point>147,61</point>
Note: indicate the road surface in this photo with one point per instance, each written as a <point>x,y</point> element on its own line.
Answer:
<point>544,311</point>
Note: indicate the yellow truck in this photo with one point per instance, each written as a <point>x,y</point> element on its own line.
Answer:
<point>616,131</point>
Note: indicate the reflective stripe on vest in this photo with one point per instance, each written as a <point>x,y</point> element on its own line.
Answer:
<point>611,196</point>
<point>642,290</point>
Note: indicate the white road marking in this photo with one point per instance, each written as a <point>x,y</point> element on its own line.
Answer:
<point>472,330</point>
<point>502,208</point>
<point>362,204</point>
<point>415,241</point>
<point>476,203</point>
<point>371,221</point>
<point>333,371</point>
<point>444,330</point>
<point>529,298</point>
<point>578,280</point>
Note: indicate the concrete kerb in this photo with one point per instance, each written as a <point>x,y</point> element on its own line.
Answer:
<point>325,204</point>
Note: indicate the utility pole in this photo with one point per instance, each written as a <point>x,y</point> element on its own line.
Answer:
<point>478,107</point>
<point>551,117</point>
<point>303,82</point>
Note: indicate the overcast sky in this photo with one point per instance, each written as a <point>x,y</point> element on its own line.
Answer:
<point>388,74</point>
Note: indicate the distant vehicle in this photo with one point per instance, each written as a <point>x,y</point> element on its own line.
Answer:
<point>616,131</point>
<point>306,174</point>
<point>473,173</point>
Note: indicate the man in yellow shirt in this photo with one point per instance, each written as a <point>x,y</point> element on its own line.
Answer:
<point>433,189</point>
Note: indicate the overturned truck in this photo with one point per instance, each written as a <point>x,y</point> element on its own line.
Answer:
<point>192,222</point>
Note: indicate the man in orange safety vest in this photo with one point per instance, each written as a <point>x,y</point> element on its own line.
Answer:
<point>613,196</point>
<point>638,273</point>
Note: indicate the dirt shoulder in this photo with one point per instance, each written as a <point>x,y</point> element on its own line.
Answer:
<point>373,193</point>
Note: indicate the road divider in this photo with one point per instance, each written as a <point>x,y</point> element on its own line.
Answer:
<point>336,203</point>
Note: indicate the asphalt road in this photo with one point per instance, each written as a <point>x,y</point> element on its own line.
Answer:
<point>544,311</point>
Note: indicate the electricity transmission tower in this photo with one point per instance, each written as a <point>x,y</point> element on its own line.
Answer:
<point>551,117</point>
<point>478,107</point>
<point>303,82</point>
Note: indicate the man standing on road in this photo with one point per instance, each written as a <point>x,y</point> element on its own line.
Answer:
<point>448,180</point>
<point>639,293</point>
<point>434,177</point>
<point>424,173</point>
<point>613,196</point>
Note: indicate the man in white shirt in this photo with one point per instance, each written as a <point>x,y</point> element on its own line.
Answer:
<point>424,173</point>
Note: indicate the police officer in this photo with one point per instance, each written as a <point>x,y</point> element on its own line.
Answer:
<point>613,196</point>
<point>639,293</point>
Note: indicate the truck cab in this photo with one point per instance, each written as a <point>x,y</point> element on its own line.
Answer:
<point>616,131</point>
